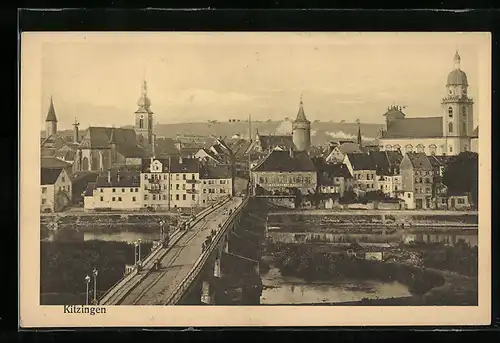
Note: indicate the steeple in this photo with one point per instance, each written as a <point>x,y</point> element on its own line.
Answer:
<point>359,133</point>
<point>456,60</point>
<point>51,114</point>
<point>144,102</point>
<point>301,116</point>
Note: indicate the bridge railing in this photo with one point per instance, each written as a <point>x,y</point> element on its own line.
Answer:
<point>200,263</point>
<point>154,252</point>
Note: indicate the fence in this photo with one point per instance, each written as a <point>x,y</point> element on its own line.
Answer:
<point>200,263</point>
<point>127,278</point>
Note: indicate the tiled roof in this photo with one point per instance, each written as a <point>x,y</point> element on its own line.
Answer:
<point>297,161</point>
<point>125,140</point>
<point>164,146</point>
<point>349,148</point>
<point>415,128</point>
<point>219,172</point>
<point>362,162</point>
<point>125,179</point>
<point>326,172</point>
<point>419,160</point>
<point>188,165</point>
<point>439,161</point>
<point>49,175</point>
<point>53,162</point>
<point>395,158</point>
<point>271,141</point>
<point>89,191</point>
<point>239,146</point>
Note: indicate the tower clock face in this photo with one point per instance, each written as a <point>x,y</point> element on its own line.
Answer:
<point>142,117</point>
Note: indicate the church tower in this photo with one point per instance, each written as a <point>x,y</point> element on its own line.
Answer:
<point>144,120</point>
<point>301,130</point>
<point>51,121</point>
<point>457,110</point>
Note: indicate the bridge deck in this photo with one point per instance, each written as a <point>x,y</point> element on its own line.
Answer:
<point>157,286</point>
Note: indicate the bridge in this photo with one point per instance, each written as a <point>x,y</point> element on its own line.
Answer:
<point>191,265</point>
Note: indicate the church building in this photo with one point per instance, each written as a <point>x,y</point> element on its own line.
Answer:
<point>104,147</point>
<point>446,135</point>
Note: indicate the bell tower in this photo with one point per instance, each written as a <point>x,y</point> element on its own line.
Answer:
<point>458,108</point>
<point>144,119</point>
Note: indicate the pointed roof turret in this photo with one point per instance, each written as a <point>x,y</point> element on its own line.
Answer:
<point>51,115</point>
<point>144,102</point>
<point>359,133</point>
<point>301,116</point>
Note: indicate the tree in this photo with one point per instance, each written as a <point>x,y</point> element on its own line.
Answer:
<point>461,175</point>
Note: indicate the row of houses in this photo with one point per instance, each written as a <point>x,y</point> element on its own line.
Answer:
<point>413,178</point>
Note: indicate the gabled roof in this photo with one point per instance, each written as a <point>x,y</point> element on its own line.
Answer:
<point>439,161</point>
<point>419,160</point>
<point>349,148</point>
<point>297,161</point>
<point>124,140</point>
<point>119,179</point>
<point>53,162</point>
<point>219,172</point>
<point>269,142</point>
<point>362,162</point>
<point>49,175</point>
<point>165,146</point>
<point>395,158</point>
<point>415,128</point>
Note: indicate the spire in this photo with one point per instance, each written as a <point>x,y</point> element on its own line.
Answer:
<point>51,115</point>
<point>301,116</point>
<point>359,133</point>
<point>456,59</point>
<point>144,102</point>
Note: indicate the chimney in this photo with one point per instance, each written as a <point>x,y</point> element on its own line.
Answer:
<point>109,176</point>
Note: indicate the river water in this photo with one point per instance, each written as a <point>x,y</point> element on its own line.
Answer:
<point>280,289</point>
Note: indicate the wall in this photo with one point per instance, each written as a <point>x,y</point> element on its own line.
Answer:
<point>57,196</point>
<point>474,145</point>
<point>157,198</point>
<point>212,190</point>
<point>130,198</point>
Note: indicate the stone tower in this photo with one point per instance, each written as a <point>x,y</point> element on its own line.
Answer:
<point>301,130</point>
<point>458,107</point>
<point>144,120</point>
<point>51,121</point>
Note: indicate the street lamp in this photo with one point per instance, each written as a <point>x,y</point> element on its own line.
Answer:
<point>94,273</point>
<point>139,243</point>
<point>87,281</point>
<point>136,244</point>
<point>162,230</point>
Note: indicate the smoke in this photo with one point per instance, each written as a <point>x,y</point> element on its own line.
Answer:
<point>285,128</point>
<point>347,136</point>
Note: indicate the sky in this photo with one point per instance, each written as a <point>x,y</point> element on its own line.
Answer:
<point>97,78</point>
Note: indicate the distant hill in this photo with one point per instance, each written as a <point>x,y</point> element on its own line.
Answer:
<point>321,132</point>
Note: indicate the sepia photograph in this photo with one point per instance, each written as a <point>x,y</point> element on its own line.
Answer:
<point>254,172</point>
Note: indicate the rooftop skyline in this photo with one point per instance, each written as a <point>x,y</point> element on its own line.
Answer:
<point>97,78</point>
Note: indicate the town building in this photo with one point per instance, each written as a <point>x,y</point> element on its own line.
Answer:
<point>216,182</point>
<point>114,190</point>
<point>283,172</point>
<point>338,151</point>
<point>363,169</point>
<point>55,189</point>
<point>301,130</point>
<point>333,178</point>
<point>417,180</point>
<point>267,143</point>
<point>388,178</point>
<point>448,134</point>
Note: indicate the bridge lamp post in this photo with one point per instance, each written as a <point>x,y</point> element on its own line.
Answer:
<point>136,244</point>
<point>139,244</point>
<point>87,281</point>
<point>94,273</point>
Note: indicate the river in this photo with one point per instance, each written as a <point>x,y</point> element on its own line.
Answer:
<point>280,289</point>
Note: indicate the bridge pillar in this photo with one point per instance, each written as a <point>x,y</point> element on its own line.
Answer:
<point>226,246</point>
<point>207,296</point>
<point>217,272</point>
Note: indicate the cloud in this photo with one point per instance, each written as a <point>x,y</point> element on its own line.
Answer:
<point>284,128</point>
<point>344,135</point>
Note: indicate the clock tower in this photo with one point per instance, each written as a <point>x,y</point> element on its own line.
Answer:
<point>457,109</point>
<point>144,120</point>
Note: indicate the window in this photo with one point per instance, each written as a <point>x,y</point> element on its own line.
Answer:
<point>164,197</point>
<point>141,123</point>
<point>63,179</point>
<point>170,197</point>
<point>154,196</point>
<point>177,186</point>
<point>450,112</point>
<point>203,200</point>
<point>409,195</point>
<point>123,190</point>
<point>192,176</point>
<point>114,190</point>
<point>450,127</point>
<point>261,179</point>
<point>409,148</point>
<point>451,149</point>
<point>102,198</point>
<point>43,201</point>
<point>119,198</point>
<point>388,147</point>
<point>204,190</point>
<point>183,186</point>
<point>420,148</point>
<point>443,201</point>
<point>145,197</point>
<point>131,190</point>
<point>395,188</point>
<point>100,189</point>
<point>44,189</point>
<point>133,198</point>
<point>177,176</point>
<point>137,189</point>
<point>193,197</point>
<point>204,182</point>
<point>433,149</point>
<point>177,197</point>
<point>397,147</point>
<point>113,199</point>
<point>461,201</point>
<point>184,176</point>
<point>382,187</point>
<point>183,196</point>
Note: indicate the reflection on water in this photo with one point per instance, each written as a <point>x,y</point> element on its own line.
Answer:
<point>280,289</point>
<point>126,236</point>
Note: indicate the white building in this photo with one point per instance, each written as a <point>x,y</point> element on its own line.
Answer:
<point>448,134</point>
<point>114,190</point>
<point>216,183</point>
<point>55,189</point>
